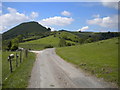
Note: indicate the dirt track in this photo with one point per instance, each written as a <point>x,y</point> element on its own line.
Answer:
<point>50,71</point>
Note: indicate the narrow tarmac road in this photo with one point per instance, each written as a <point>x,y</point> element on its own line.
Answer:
<point>50,71</point>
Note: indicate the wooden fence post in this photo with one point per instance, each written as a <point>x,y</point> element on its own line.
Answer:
<point>11,65</point>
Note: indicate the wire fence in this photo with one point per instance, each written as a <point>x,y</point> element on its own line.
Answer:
<point>18,57</point>
<point>11,61</point>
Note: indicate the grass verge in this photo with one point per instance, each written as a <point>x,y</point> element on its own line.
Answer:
<point>21,74</point>
<point>98,58</point>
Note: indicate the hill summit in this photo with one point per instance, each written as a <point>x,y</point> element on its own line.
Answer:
<point>25,28</point>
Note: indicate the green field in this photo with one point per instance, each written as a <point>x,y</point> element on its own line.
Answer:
<point>20,75</point>
<point>98,58</point>
<point>41,43</point>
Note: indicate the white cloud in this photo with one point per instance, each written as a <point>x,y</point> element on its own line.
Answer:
<point>96,16</point>
<point>110,3</point>
<point>0,8</point>
<point>109,0</point>
<point>108,22</point>
<point>2,28</point>
<point>0,12</point>
<point>83,28</point>
<point>66,13</point>
<point>34,15</point>
<point>13,17</point>
<point>11,10</point>
<point>57,20</point>
<point>53,29</point>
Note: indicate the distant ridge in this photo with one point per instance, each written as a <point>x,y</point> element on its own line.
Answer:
<point>24,28</point>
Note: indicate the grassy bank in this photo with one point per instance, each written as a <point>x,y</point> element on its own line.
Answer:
<point>20,76</point>
<point>99,58</point>
<point>42,43</point>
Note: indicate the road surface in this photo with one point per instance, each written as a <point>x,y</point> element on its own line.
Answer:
<point>50,71</point>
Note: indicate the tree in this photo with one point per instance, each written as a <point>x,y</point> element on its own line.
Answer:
<point>20,38</point>
<point>15,43</point>
<point>14,47</point>
<point>109,32</point>
<point>89,40</point>
<point>48,46</point>
<point>81,40</point>
<point>9,45</point>
<point>49,29</point>
<point>6,45</point>
<point>68,44</point>
<point>64,37</point>
<point>62,43</point>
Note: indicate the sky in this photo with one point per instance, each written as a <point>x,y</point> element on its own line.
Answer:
<point>71,16</point>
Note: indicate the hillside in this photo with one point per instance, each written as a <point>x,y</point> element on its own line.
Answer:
<point>98,58</point>
<point>24,29</point>
<point>42,43</point>
<point>97,35</point>
<point>67,36</point>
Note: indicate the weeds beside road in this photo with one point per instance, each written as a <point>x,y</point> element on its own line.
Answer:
<point>20,76</point>
<point>99,58</point>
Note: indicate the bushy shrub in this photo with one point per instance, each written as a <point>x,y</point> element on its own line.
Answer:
<point>14,47</point>
<point>89,40</point>
<point>48,46</point>
<point>62,43</point>
<point>68,44</point>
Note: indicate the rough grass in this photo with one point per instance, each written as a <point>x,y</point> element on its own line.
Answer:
<point>42,43</point>
<point>20,76</point>
<point>99,58</point>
